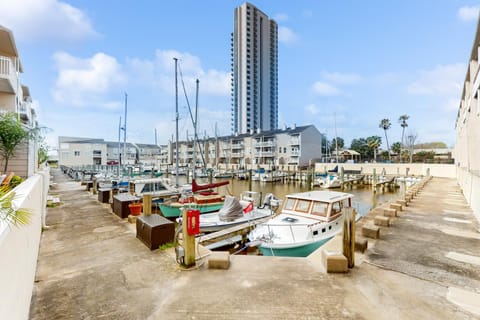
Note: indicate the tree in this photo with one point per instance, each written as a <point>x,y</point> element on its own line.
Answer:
<point>337,142</point>
<point>12,134</point>
<point>396,147</point>
<point>374,143</point>
<point>403,123</point>
<point>360,145</point>
<point>385,124</point>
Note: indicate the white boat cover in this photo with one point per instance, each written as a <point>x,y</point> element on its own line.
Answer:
<point>231,210</point>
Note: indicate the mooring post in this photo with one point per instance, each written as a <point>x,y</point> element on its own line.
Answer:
<point>342,177</point>
<point>147,204</point>
<point>374,180</point>
<point>349,236</point>
<point>188,242</point>
<point>250,179</point>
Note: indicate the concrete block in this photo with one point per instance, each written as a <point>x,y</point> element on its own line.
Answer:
<point>381,221</point>
<point>371,231</point>
<point>219,260</point>
<point>389,212</point>
<point>404,203</point>
<point>396,206</point>
<point>361,244</point>
<point>334,262</point>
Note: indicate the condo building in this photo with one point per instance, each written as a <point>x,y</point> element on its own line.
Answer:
<point>15,98</point>
<point>254,54</point>
<point>467,151</point>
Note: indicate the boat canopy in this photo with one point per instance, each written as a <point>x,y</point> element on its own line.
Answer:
<point>231,210</point>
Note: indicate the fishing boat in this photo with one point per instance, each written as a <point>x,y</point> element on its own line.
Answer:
<point>205,201</point>
<point>307,221</point>
<point>235,212</point>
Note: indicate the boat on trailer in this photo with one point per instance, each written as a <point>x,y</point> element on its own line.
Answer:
<point>307,221</point>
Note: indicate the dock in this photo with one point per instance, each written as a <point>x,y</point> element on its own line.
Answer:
<point>424,265</point>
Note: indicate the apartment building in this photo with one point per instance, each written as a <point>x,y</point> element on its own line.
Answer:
<point>254,54</point>
<point>77,151</point>
<point>295,146</point>
<point>15,97</point>
<point>466,151</point>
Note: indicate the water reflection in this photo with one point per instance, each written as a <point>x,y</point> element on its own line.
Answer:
<point>365,199</point>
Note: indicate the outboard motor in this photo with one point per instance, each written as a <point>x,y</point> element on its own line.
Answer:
<point>271,201</point>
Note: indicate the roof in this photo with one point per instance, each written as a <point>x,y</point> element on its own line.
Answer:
<point>321,195</point>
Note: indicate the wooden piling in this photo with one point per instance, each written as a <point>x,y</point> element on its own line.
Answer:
<point>349,236</point>
<point>374,181</point>
<point>147,204</point>
<point>188,242</point>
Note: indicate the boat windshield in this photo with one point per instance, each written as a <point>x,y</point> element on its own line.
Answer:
<point>320,208</point>
<point>150,187</point>
<point>302,205</point>
<point>289,204</point>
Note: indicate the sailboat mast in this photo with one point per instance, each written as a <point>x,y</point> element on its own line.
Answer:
<point>119,146</point>
<point>125,133</point>
<point>195,132</point>
<point>176,123</point>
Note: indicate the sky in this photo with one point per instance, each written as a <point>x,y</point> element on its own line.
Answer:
<point>343,65</point>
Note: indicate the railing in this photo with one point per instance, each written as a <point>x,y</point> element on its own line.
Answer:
<point>7,70</point>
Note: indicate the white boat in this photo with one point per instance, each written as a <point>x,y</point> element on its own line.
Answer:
<point>157,187</point>
<point>235,212</point>
<point>270,176</point>
<point>328,182</point>
<point>307,221</point>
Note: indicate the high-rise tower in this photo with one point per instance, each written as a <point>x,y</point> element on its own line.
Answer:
<point>254,71</point>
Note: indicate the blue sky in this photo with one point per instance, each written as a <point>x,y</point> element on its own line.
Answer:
<point>349,63</point>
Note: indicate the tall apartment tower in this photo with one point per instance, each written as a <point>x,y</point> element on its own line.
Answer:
<point>254,71</point>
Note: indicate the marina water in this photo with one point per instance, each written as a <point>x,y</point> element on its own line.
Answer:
<point>364,198</point>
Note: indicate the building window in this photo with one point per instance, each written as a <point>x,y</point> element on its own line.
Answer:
<point>76,153</point>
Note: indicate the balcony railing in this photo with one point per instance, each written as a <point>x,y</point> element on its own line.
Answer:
<point>8,73</point>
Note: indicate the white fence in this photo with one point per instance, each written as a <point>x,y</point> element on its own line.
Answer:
<point>19,248</point>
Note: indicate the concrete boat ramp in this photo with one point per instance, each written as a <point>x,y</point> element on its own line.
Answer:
<point>425,265</point>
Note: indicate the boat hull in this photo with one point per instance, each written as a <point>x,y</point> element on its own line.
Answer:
<point>170,211</point>
<point>297,251</point>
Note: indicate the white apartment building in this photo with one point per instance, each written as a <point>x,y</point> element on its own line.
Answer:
<point>77,151</point>
<point>15,97</point>
<point>467,146</point>
<point>295,146</point>
<point>254,53</point>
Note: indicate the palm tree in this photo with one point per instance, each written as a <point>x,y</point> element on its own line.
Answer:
<point>373,143</point>
<point>385,124</point>
<point>403,123</point>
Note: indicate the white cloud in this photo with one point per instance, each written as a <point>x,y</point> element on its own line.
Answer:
<point>325,89</point>
<point>443,80</point>
<point>161,71</point>
<point>86,82</point>
<point>40,20</point>
<point>341,78</point>
<point>286,35</point>
<point>467,13</point>
<point>312,109</point>
<point>280,17</point>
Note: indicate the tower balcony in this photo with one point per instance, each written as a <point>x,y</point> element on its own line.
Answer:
<point>8,75</point>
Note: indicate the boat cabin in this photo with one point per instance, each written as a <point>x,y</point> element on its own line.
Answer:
<point>153,186</point>
<point>323,205</point>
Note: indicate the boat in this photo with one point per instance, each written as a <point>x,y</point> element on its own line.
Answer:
<point>271,176</point>
<point>205,201</point>
<point>307,221</point>
<point>235,212</point>
<point>156,187</point>
<point>223,175</point>
<point>257,176</point>
<point>328,182</point>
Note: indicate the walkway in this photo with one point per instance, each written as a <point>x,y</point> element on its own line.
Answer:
<point>91,266</point>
